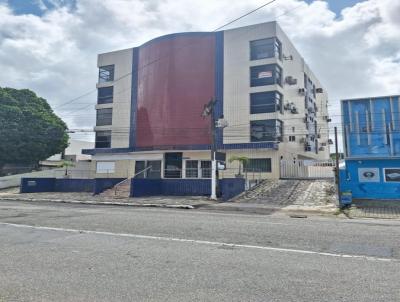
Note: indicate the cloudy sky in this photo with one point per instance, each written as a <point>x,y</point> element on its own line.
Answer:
<point>50,46</point>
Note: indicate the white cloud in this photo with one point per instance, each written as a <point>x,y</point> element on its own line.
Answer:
<point>354,54</point>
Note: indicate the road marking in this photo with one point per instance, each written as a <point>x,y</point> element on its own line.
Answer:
<point>203,242</point>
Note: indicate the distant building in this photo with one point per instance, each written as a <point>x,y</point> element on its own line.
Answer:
<point>150,100</point>
<point>73,152</point>
<point>371,136</point>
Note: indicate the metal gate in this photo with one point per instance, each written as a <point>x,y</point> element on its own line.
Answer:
<point>307,169</point>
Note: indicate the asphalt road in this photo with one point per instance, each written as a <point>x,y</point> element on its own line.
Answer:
<point>60,252</point>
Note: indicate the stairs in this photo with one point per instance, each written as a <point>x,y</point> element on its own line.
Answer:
<point>120,190</point>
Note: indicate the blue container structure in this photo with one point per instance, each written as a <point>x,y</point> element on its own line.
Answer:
<point>371,137</point>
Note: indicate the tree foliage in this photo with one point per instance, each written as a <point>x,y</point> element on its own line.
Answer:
<point>241,159</point>
<point>29,129</point>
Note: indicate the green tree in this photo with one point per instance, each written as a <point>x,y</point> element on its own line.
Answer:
<point>242,161</point>
<point>29,129</point>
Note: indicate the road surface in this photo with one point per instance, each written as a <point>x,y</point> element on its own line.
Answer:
<point>61,252</point>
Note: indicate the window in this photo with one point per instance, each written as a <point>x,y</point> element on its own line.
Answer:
<point>266,131</point>
<point>265,75</point>
<point>265,48</point>
<point>192,168</point>
<point>105,95</point>
<point>152,169</point>
<point>292,138</point>
<point>155,169</point>
<point>205,169</point>
<point>105,167</point>
<point>106,74</point>
<point>104,117</point>
<point>264,102</point>
<point>173,165</point>
<point>103,139</point>
<point>257,165</point>
<point>140,165</point>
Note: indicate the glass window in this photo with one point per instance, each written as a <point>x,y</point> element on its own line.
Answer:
<point>266,131</point>
<point>105,95</point>
<point>265,48</point>
<point>140,165</point>
<point>104,117</point>
<point>192,168</point>
<point>292,138</point>
<point>173,165</point>
<point>264,102</point>
<point>103,139</point>
<point>105,167</point>
<point>257,165</point>
<point>206,169</point>
<point>155,169</point>
<point>106,73</point>
<point>265,75</point>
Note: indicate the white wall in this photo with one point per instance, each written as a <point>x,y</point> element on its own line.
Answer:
<point>122,60</point>
<point>237,89</point>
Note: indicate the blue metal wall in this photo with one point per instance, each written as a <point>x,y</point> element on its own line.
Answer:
<point>33,185</point>
<point>231,187</point>
<point>73,185</point>
<point>357,178</point>
<point>371,127</point>
<point>36,185</point>
<point>185,187</point>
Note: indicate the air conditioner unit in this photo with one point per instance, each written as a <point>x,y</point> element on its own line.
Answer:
<point>302,140</point>
<point>293,108</point>
<point>290,80</point>
<point>330,142</point>
<point>319,90</point>
<point>287,106</point>
<point>319,136</point>
<point>302,91</point>
<point>321,148</point>
<point>329,120</point>
<point>323,144</point>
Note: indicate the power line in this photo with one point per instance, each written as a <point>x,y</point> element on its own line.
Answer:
<point>245,15</point>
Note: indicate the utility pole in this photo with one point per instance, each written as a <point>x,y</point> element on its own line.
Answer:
<point>209,111</point>
<point>337,164</point>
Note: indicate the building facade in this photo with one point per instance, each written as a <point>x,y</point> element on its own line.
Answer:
<point>151,99</point>
<point>371,137</point>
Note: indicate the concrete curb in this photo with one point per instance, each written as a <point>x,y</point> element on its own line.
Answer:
<point>269,209</point>
<point>109,203</point>
<point>218,207</point>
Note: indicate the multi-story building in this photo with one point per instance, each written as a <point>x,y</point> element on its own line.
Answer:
<point>151,99</point>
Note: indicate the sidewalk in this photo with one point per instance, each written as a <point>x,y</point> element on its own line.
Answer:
<point>270,209</point>
<point>255,204</point>
<point>381,209</point>
<point>183,202</point>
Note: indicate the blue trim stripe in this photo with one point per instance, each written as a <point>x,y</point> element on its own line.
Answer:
<point>269,145</point>
<point>134,95</point>
<point>219,83</point>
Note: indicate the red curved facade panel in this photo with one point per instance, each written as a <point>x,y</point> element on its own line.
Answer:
<point>176,77</point>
